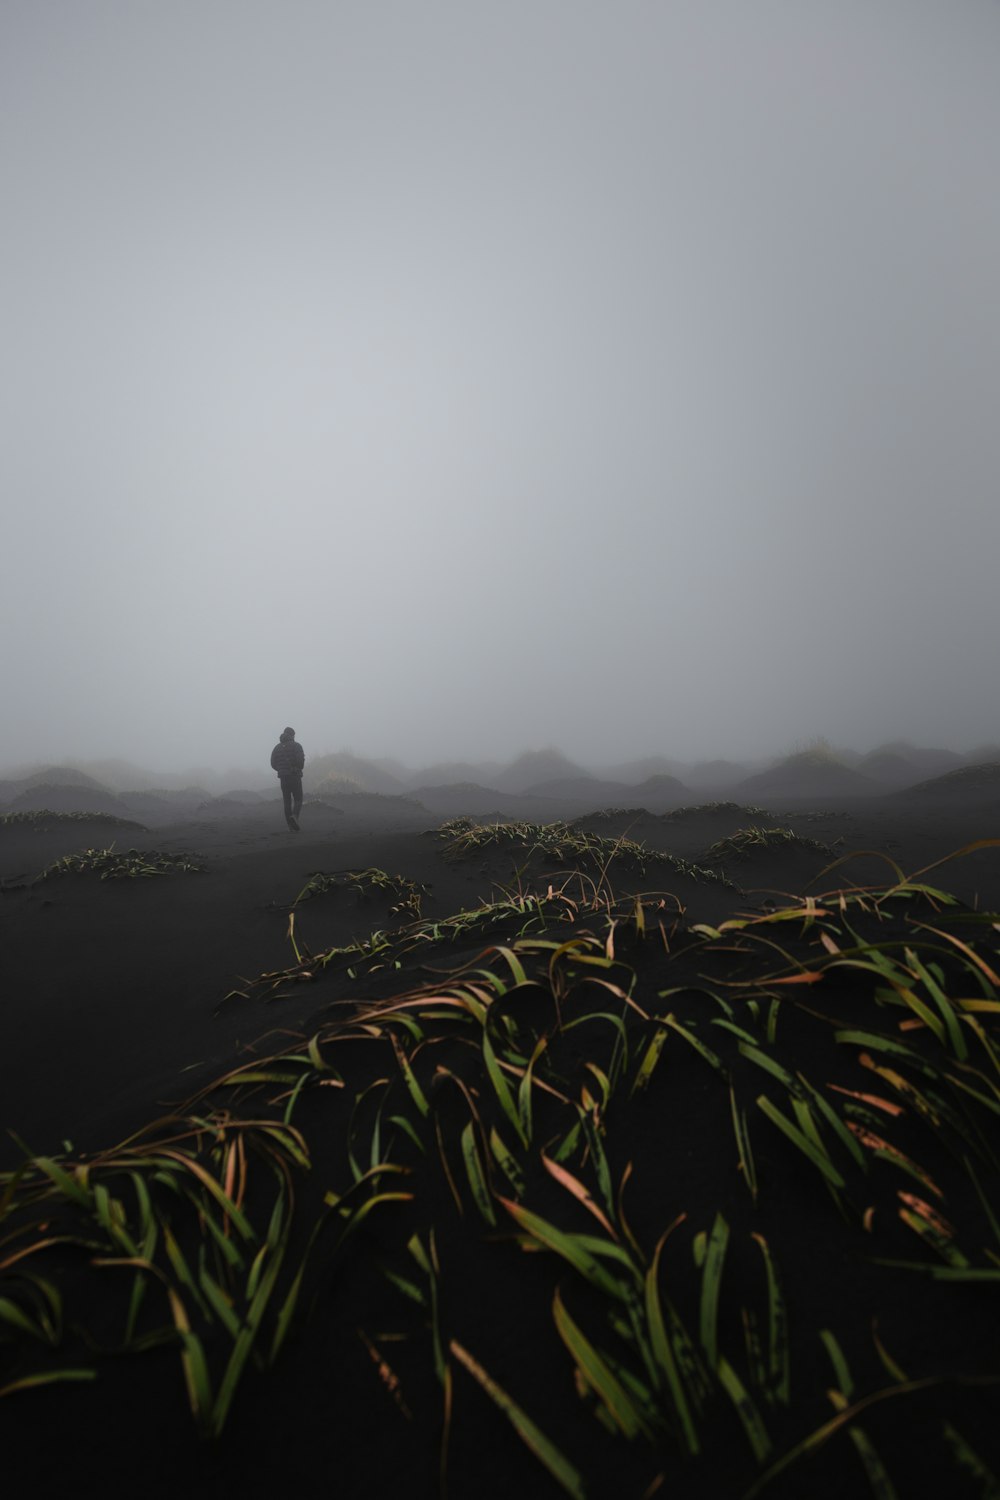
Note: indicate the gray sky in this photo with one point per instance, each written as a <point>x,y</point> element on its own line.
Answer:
<point>447,377</point>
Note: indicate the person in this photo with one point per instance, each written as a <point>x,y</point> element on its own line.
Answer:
<point>288,759</point>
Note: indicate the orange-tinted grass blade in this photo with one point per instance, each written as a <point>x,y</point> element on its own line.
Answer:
<point>580,1192</point>
<point>386,1374</point>
<point>46,1377</point>
<point>888,1152</point>
<point>562,1471</point>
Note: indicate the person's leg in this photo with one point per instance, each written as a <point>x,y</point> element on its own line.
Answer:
<point>286,794</point>
<point>296,796</point>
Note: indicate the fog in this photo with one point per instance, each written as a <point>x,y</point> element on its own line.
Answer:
<point>446,378</point>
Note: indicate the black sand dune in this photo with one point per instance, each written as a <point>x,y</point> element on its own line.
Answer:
<point>976,782</point>
<point>807,775</point>
<point>124,998</point>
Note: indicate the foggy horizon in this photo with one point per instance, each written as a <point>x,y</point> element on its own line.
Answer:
<point>453,380</point>
<point>259,769</point>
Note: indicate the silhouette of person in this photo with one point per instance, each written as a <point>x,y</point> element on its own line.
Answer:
<point>288,759</point>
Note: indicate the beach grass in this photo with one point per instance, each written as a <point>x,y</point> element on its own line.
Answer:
<point>718,1168</point>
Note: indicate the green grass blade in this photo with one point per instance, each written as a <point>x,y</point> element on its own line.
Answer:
<point>845,1382</point>
<point>582,1252</point>
<point>664,1355</point>
<point>969,1461</point>
<point>507,1162</point>
<point>743,1148</point>
<point>712,1058</point>
<point>474,1172</point>
<point>651,1057</point>
<point>597,1374</point>
<point>746,1409</point>
<point>416,1092</point>
<point>779,1368</point>
<point>818,1158</point>
<point>956,1037</point>
<point>502,1089</point>
<point>710,1283</point>
<point>67,1183</point>
<point>194,1363</point>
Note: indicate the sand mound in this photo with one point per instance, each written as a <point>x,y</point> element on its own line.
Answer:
<point>968,783</point>
<point>53,797</point>
<point>810,773</point>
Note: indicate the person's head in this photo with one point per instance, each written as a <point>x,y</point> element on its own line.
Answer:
<point>288,734</point>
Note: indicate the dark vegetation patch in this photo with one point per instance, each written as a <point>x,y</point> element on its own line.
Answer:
<point>123,864</point>
<point>568,844</point>
<point>405,894</point>
<point>713,809</point>
<point>745,842</point>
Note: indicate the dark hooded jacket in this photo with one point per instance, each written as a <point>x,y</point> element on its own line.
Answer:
<point>288,757</point>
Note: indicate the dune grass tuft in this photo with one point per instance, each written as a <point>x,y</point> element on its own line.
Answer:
<point>739,846</point>
<point>407,894</point>
<point>567,844</point>
<point>127,864</point>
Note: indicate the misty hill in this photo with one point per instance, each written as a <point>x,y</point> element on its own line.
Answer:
<point>716,773</point>
<point>535,767</point>
<point>59,776</point>
<point>123,775</point>
<point>246,795</point>
<point>966,782</point>
<point>925,760</point>
<point>164,805</point>
<point>352,770</point>
<point>373,809</point>
<point>631,772</point>
<point>334,785</point>
<point>592,793</point>
<point>661,791</point>
<point>53,797</point>
<point>809,773</point>
<point>456,773</point>
<point>583,789</point>
<point>701,773</point>
<point>185,796</point>
<point>889,768</point>
<point>983,755</point>
<point>470,799</point>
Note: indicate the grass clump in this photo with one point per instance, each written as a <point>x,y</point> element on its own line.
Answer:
<point>745,841</point>
<point>566,843</point>
<point>408,894</point>
<point>128,864</point>
<point>682,814</point>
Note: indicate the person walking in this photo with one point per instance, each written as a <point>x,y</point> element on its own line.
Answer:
<point>288,759</point>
